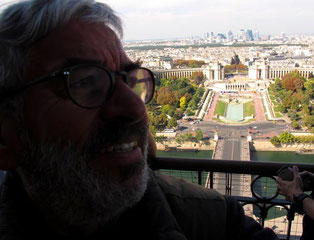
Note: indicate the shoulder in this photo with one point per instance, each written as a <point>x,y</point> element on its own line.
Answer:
<point>177,187</point>
<point>200,212</point>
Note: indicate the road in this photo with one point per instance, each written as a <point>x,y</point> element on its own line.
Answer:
<point>234,137</point>
<point>232,150</point>
<point>225,181</point>
<point>209,127</point>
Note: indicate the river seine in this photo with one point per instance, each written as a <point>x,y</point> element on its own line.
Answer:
<point>289,157</point>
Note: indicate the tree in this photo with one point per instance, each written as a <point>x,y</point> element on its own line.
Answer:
<point>292,81</point>
<point>275,141</point>
<point>153,123</point>
<point>162,121</point>
<point>306,109</point>
<point>295,124</point>
<point>235,60</point>
<point>189,112</point>
<point>165,96</point>
<point>199,135</point>
<point>292,114</point>
<point>278,85</point>
<point>308,121</point>
<point>182,102</point>
<point>298,83</point>
<point>309,88</point>
<point>295,103</point>
<point>287,101</point>
<point>188,63</point>
<point>160,139</point>
<point>172,123</point>
<point>192,104</point>
<point>286,138</point>
<point>188,97</point>
<point>282,109</point>
<point>167,109</point>
<point>188,137</point>
<point>182,83</point>
<point>178,114</point>
<point>198,77</point>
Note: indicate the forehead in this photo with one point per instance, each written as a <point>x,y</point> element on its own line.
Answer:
<point>76,39</point>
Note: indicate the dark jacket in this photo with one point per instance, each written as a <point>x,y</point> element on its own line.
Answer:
<point>170,209</point>
<point>308,226</point>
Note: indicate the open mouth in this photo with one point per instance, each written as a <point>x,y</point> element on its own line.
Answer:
<point>123,147</point>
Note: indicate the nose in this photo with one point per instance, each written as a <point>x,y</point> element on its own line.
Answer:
<point>124,104</point>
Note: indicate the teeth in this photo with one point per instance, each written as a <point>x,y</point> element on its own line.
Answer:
<point>124,147</point>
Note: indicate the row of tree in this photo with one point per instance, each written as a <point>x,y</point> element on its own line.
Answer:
<point>235,65</point>
<point>235,68</point>
<point>189,137</point>
<point>288,138</point>
<point>183,138</point>
<point>188,63</point>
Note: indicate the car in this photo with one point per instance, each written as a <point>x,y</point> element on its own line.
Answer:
<point>254,127</point>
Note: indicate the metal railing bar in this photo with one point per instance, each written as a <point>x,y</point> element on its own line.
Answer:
<point>229,166</point>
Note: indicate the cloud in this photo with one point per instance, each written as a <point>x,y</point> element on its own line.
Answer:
<point>178,18</point>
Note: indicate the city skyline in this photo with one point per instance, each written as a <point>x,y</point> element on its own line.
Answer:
<point>164,19</point>
<point>185,18</point>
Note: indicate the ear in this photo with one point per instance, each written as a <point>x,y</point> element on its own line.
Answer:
<point>8,143</point>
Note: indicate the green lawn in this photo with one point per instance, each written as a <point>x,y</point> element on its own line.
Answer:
<point>220,108</point>
<point>272,97</point>
<point>249,109</point>
<point>278,114</point>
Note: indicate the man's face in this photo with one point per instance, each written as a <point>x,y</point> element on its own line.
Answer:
<point>110,141</point>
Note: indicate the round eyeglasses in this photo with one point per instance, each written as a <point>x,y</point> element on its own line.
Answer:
<point>91,85</point>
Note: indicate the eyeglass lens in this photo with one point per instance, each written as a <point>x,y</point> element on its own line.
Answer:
<point>89,86</point>
<point>141,81</point>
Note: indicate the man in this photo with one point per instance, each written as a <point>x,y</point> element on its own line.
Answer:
<point>75,141</point>
<point>302,203</point>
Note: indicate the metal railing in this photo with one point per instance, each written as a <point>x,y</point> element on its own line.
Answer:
<point>262,195</point>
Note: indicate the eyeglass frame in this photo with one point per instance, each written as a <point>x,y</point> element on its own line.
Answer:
<point>65,73</point>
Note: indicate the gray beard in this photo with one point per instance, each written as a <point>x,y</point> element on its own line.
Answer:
<point>73,193</point>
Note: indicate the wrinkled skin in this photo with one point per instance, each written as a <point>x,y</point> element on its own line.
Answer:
<point>56,122</point>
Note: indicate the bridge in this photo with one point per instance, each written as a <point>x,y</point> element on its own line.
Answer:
<point>232,149</point>
<point>232,184</point>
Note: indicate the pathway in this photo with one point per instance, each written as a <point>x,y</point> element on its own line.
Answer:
<point>259,110</point>
<point>210,113</point>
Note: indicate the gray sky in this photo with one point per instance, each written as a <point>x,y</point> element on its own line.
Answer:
<point>156,19</point>
<point>150,19</point>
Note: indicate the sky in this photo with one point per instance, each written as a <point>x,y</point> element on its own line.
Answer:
<point>156,19</point>
<point>162,19</point>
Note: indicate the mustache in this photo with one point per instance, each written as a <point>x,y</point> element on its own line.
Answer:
<point>114,132</point>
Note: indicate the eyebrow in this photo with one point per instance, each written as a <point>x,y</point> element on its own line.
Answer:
<point>130,66</point>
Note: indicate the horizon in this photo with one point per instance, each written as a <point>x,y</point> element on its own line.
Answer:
<point>178,19</point>
<point>185,18</point>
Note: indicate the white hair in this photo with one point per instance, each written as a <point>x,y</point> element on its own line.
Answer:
<point>25,22</point>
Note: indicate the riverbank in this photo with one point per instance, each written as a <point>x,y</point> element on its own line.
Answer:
<point>202,146</point>
<point>257,145</point>
<point>266,145</point>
